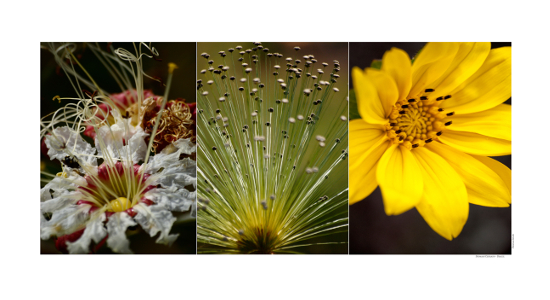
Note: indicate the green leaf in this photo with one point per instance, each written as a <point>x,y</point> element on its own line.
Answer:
<point>353,110</point>
<point>376,64</point>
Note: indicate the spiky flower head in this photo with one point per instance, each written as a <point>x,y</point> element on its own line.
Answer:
<point>272,138</point>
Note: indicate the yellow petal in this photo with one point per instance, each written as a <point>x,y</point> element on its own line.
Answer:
<point>503,171</point>
<point>490,86</point>
<point>397,64</point>
<point>431,63</point>
<point>474,143</point>
<point>386,88</point>
<point>362,181</point>
<point>469,58</point>
<point>367,144</point>
<point>368,103</point>
<point>444,205</point>
<point>485,187</point>
<point>363,137</point>
<point>495,122</point>
<point>400,180</point>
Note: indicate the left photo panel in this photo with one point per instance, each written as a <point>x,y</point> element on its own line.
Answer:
<point>118,148</point>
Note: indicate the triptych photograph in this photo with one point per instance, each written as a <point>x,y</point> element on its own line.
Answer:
<point>350,148</point>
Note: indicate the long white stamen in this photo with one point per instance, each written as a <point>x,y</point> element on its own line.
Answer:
<point>261,150</point>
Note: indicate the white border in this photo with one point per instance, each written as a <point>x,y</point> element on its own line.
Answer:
<point>30,275</point>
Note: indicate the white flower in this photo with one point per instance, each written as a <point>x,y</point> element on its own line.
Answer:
<point>101,202</point>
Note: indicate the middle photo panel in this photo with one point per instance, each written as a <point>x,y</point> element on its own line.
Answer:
<point>272,137</point>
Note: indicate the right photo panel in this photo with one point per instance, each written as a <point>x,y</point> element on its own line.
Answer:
<point>430,148</point>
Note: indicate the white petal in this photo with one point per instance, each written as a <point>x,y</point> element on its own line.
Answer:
<point>168,159</point>
<point>94,231</point>
<point>65,221</point>
<point>137,148</point>
<point>59,202</point>
<point>66,141</point>
<point>61,185</point>
<point>116,228</point>
<point>176,174</point>
<point>172,198</point>
<point>45,193</point>
<point>180,175</point>
<point>109,141</point>
<point>186,146</point>
<point>155,219</point>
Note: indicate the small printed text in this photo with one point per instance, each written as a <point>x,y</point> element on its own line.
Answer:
<point>489,256</point>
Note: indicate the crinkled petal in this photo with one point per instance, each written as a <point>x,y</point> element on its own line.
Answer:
<point>397,64</point>
<point>368,103</point>
<point>495,122</point>
<point>367,144</point>
<point>168,158</point>
<point>65,142</point>
<point>116,228</point>
<point>87,161</point>
<point>432,62</point>
<point>186,146</point>
<point>468,60</point>
<point>400,180</point>
<point>490,86</point>
<point>109,139</point>
<point>136,147</point>
<point>45,194</point>
<point>172,198</point>
<point>95,231</point>
<point>176,173</point>
<point>485,187</point>
<point>182,174</point>
<point>122,140</point>
<point>61,185</point>
<point>65,221</point>
<point>43,224</point>
<point>60,202</point>
<point>444,205</point>
<point>474,143</point>
<point>155,219</point>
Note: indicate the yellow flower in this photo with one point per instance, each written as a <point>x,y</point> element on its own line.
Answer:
<point>427,129</point>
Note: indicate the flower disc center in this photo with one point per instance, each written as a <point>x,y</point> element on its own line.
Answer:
<point>117,188</point>
<point>415,122</point>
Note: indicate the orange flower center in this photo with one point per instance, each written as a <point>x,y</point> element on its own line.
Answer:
<point>415,122</point>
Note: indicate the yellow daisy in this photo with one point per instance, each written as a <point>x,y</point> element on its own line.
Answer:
<point>427,129</point>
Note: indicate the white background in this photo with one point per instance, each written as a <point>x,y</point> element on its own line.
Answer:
<point>28,275</point>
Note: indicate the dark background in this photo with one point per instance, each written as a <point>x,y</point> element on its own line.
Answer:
<point>54,82</point>
<point>487,231</point>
